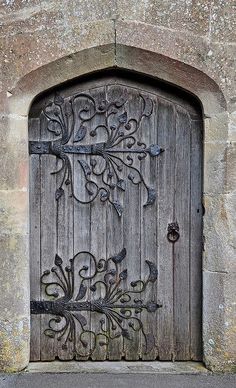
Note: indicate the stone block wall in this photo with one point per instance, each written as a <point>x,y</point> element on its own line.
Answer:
<point>185,42</point>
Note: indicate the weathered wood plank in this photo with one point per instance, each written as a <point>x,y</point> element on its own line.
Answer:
<point>82,240</point>
<point>182,246</point>
<point>132,346</point>
<point>165,121</point>
<point>34,212</point>
<point>98,232</point>
<point>114,230</point>
<point>148,134</point>
<point>196,241</point>
<point>65,247</point>
<point>48,233</point>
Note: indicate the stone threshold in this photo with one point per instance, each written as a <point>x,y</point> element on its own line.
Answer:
<point>112,367</point>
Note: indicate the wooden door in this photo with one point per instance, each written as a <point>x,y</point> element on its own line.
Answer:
<point>115,221</point>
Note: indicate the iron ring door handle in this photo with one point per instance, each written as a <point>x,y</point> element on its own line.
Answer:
<point>173,232</point>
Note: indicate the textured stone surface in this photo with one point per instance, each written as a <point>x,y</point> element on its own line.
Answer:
<point>189,43</point>
<point>169,69</point>
<point>219,234</point>
<point>14,155</point>
<point>219,326</point>
<point>14,324</point>
<point>215,167</point>
<point>102,376</point>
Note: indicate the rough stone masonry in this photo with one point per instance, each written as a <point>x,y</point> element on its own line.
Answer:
<point>186,42</point>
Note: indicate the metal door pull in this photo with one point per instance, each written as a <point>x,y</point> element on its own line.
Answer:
<point>173,232</point>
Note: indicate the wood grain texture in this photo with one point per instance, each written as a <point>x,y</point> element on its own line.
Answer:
<point>149,233</point>
<point>65,247</point>
<point>34,212</point>
<point>132,221</point>
<point>196,241</point>
<point>166,190</point>
<point>114,230</point>
<point>48,224</point>
<point>66,227</point>
<point>82,242</point>
<point>98,231</point>
<point>182,246</point>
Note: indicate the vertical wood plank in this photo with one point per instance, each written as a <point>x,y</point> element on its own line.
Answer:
<point>114,229</point>
<point>98,231</point>
<point>148,134</point>
<point>82,237</point>
<point>196,241</point>
<point>132,347</point>
<point>65,247</point>
<point>166,190</point>
<point>182,246</point>
<point>48,233</point>
<point>34,212</point>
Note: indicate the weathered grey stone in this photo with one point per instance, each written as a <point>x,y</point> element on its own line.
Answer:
<point>14,152</point>
<point>13,211</point>
<point>231,171</point>
<point>189,16</point>
<point>56,72</point>
<point>14,275</point>
<point>14,325</point>
<point>232,126</point>
<point>219,320</point>
<point>215,155</point>
<point>28,51</point>
<point>98,378</point>
<point>121,367</point>
<point>14,343</point>
<point>150,61</point>
<point>219,233</point>
<point>216,128</point>
<point>223,21</point>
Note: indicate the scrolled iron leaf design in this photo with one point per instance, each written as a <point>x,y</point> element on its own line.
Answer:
<point>151,196</point>
<point>70,125</point>
<point>153,271</point>
<point>80,134</point>
<point>119,257</point>
<point>82,292</point>
<point>120,308</point>
<point>58,260</point>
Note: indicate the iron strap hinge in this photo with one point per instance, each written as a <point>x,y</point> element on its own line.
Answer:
<point>57,148</point>
<point>121,152</point>
<point>49,147</point>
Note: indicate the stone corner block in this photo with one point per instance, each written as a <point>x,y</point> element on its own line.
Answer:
<point>14,345</point>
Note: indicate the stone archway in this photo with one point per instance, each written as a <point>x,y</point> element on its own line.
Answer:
<point>166,69</point>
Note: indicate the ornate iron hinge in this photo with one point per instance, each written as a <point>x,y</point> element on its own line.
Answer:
<point>120,131</point>
<point>119,308</point>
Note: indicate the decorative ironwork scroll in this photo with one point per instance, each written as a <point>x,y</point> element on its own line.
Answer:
<point>119,308</point>
<point>71,124</point>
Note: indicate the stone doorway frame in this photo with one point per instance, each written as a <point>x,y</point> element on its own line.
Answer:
<point>217,338</point>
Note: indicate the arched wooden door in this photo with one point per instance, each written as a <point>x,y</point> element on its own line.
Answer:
<point>115,221</point>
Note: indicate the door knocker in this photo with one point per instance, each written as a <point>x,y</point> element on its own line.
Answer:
<point>173,232</point>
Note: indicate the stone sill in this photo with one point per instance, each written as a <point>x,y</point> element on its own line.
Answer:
<point>118,374</point>
<point>113,367</point>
